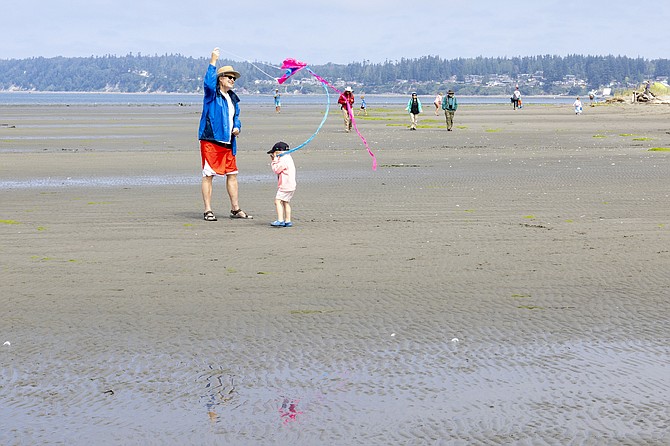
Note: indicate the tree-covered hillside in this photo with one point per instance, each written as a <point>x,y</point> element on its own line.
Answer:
<point>426,75</point>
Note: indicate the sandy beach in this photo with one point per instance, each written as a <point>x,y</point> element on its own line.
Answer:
<point>504,283</point>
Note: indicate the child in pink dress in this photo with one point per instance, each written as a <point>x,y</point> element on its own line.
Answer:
<point>282,165</point>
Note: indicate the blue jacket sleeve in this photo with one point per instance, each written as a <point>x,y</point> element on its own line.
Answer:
<point>209,83</point>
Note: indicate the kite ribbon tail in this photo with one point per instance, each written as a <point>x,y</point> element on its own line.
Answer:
<point>325,116</point>
<point>353,120</point>
<point>365,142</point>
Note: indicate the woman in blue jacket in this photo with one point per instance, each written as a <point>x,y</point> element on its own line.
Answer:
<point>219,126</point>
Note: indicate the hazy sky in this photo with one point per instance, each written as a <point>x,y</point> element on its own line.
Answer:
<point>335,31</point>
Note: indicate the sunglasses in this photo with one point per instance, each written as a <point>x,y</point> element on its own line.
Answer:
<point>232,78</point>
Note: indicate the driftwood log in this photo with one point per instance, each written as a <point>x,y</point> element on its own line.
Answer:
<point>643,97</point>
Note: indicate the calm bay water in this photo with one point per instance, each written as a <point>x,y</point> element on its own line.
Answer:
<point>66,98</point>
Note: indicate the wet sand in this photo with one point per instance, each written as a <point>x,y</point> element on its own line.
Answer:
<point>504,283</point>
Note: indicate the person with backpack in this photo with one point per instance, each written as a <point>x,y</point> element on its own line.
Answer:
<point>449,105</point>
<point>414,108</point>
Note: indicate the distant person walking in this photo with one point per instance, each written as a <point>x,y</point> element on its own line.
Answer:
<point>277,98</point>
<point>414,108</point>
<point>438,103</point>
<point>364,106</point>
<point>346,101</point>
<point>578,106</point>
<point>516,98</point>
<point>219,127</point>
<point>449,105</point>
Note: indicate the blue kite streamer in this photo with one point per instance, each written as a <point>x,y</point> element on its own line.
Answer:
<point>325,116</point>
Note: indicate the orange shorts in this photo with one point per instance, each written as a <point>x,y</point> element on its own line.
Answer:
<point>217,159</point>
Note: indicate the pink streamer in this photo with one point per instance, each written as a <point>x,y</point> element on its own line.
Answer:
<point>353,122</point>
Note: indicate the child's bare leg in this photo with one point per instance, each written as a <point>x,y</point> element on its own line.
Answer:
<point>287,210</point>
<point>280,209</point>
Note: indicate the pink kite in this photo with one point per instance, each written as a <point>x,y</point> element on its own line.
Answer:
<point>291,66</point>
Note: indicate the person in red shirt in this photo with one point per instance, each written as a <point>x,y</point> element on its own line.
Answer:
<point>347,97</point>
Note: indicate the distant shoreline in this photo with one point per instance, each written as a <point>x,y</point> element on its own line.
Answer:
<point>183,99</point>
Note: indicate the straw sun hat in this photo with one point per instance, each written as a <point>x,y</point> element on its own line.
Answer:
<point>227,69</point>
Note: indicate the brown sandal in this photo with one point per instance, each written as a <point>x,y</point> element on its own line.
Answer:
<point>209,216</point>
<point>240,214</point>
